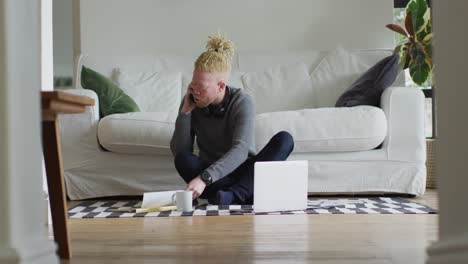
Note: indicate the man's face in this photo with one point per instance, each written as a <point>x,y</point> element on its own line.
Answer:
<point>204,87</point>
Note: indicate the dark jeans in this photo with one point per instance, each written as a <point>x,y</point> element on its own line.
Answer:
<point>241,180</point>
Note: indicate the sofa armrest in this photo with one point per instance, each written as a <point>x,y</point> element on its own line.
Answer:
<point>78,133</point>
<point>404,108</point>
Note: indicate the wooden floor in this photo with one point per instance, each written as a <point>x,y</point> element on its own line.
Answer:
<point>257,239</point>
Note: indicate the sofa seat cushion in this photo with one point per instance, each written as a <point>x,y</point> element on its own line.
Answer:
<point>137,133</point>
<point>325,129</point>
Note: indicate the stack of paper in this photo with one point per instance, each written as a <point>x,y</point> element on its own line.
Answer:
<point>157,201</point>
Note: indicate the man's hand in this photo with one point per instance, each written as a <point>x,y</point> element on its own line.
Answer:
<point>189,105</point>
<point>197,186</point>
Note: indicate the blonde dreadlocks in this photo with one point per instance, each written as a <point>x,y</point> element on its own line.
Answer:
<point>218,55</point>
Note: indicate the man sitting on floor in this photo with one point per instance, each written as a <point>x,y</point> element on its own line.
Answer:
<point>223,120</point>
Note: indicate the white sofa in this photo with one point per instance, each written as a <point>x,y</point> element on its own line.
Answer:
<point>354,150</point>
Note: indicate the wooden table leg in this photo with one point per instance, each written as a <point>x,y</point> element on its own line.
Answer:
<point>55,183</point>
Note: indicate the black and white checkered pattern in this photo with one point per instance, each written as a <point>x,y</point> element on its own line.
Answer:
<point>378,205</point>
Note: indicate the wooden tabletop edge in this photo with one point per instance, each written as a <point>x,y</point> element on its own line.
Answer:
<point>67,97</point>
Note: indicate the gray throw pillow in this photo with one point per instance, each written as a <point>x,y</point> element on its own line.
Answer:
<point>368,89</point>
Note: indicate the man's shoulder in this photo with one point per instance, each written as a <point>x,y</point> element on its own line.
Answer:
<point>242,102</point>
<point>240,96</point>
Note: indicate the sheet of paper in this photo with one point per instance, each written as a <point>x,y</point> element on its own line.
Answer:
<point>157,199</point>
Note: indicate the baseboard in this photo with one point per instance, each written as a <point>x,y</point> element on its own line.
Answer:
<point>38,252</point>
<point>451,250</point>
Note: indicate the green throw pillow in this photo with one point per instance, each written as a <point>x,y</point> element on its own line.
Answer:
<point>112,100</point>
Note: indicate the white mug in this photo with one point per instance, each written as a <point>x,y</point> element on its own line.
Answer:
<point>183,201</point>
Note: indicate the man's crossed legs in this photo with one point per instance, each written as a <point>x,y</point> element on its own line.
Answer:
<point>236,187</point>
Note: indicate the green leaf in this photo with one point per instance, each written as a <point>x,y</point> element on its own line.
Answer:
<point>417,53</point>
<point>428,38</point>
<point>419,14</point>
<point>428,51</point>
<point>428,30</point>
<point>404,61</point>
<point>401,48</point>
<point>405,58</point>
<point>429,26</point>
<point>426,19</point>
<point>419,73</point>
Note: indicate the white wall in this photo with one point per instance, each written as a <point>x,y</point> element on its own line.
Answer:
<point>111,27</point>
<point>47,46</point>
<point>63,37</point>
<point>450,58</point>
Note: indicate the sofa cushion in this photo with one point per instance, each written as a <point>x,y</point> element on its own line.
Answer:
<point>368,89</point>
<point>152,91</point>
<point>281,88</point>
<point>112,99</point>
<point>335,73</point>
<point>325,129</point>
<point>137,133</point>
<point>255,61</point>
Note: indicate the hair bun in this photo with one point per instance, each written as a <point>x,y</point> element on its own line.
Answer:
<point>217,43</point>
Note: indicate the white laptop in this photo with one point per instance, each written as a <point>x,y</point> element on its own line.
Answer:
<point>280,186</point>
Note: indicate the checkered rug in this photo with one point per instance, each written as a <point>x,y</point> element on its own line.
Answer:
<point>377,205</point>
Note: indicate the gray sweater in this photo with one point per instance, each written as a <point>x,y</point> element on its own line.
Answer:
<point>224,142</point>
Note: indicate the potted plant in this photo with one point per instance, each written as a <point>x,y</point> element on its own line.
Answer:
<point>416,48</point>
<point>415,51</point>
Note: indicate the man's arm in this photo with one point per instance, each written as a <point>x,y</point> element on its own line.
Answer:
<point>243,137</point>
<point>183,136</point>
